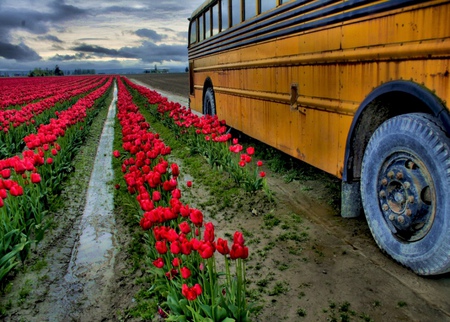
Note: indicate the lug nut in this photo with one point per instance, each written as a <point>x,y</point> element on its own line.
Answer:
<point>391,217</point>
<point>390,174</point>
<point>399,175</point>
<point>385,207</point>
<point>408,212</point>
<point>411,199</point>
<point>382,194</point>
<point>401,219</point>
<point>384,182</point>
<point>406,184</point>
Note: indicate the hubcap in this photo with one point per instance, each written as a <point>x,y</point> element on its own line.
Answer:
<point>406,196</point>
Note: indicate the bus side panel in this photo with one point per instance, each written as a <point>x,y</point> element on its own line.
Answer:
<point>401,34</point>
<point>334,68</point>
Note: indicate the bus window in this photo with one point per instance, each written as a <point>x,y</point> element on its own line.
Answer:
<point>207,24</point>
<point>267,5</point>
<point>215,19</point>
<point>225,15</point>
<point>193,35</point>
<point>235,12</point>
<point>201,29</point>
<point>250,9</point>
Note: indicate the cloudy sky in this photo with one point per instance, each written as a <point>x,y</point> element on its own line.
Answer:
<point>94,33</point>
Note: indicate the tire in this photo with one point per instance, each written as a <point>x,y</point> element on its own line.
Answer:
<point>405,191</point>
<point>209,103</point>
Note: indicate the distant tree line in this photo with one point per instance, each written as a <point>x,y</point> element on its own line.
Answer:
<point>84,72</point>
<point>46,72</point>
<point>58,72</point>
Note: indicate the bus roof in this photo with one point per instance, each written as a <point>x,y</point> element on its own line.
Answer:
<point>203,6</point>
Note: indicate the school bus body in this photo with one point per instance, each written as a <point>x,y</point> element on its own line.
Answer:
<point>359,89</point>
<point>334,67</point>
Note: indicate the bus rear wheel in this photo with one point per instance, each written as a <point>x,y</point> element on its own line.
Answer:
<point>405,189</point>
<point>209,103</point>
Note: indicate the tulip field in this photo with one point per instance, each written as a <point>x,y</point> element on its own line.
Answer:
<point>211,236</point>
<point>43,123</point>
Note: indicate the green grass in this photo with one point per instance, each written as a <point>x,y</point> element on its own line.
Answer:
<point>270,221</point>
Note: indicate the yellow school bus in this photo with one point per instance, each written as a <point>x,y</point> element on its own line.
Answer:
<point>357,88</point>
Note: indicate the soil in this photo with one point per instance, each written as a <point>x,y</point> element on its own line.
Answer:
<point>306,262</point>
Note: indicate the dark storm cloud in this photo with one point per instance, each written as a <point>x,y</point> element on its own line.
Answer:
<point>149,34</point>
<point>32,21</point>
<point>151,53</point>
<point>50,38</point>
<point>148,52</point>
<point>98,51</point>
<point>64,12</point>
<point>154,22</point>
<point>165,10</point>
<point>19,52</point>
<point>78,56</point>
<point>37,22</point>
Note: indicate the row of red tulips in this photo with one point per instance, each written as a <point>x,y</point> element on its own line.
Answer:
<point>15,117</point>
<point>30,181</point>
<point>183,249</point>
<point>20,91</point>
<point>15,124</point>
<point>208,135</point>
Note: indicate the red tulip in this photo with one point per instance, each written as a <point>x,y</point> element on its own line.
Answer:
<point>176,262</point>
<point>16,190</point>
<point>222,246</point>
<point>161,247</point>
<point>159,262</point>
<point>6,173</point>
<point>175,247</point>
<point>191,293</point>
<point>196,217</point>
<point>185,272</point>
<point>184,227</point>
<point>208,235</point>
<point>35,177</point>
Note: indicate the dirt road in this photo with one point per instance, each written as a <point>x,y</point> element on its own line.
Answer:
<point>337,264</point>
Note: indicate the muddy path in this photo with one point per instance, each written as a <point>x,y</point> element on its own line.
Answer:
<point>306,262</point>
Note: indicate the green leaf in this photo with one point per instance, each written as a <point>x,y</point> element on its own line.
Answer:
<point>220,313</point>
<point>173,305</point>
<point>206,309</point>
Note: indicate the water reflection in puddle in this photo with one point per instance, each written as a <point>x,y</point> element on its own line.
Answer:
<point>92,260</point>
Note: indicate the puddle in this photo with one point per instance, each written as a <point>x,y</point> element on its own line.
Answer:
<point>92,260</point>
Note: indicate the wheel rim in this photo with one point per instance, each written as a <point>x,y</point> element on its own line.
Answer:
<point>406,196</point>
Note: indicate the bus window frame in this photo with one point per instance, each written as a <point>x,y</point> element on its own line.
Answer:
<point>200,17</point>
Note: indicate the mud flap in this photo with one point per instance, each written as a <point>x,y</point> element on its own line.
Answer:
<point>351,205</point>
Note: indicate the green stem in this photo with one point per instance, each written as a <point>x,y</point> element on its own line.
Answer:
<point>227,267</point>
<point>239,285</point>
<point>211,285</point>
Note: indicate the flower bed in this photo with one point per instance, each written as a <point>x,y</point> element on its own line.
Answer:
<point>183,249</point>
<point>30,181</point>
